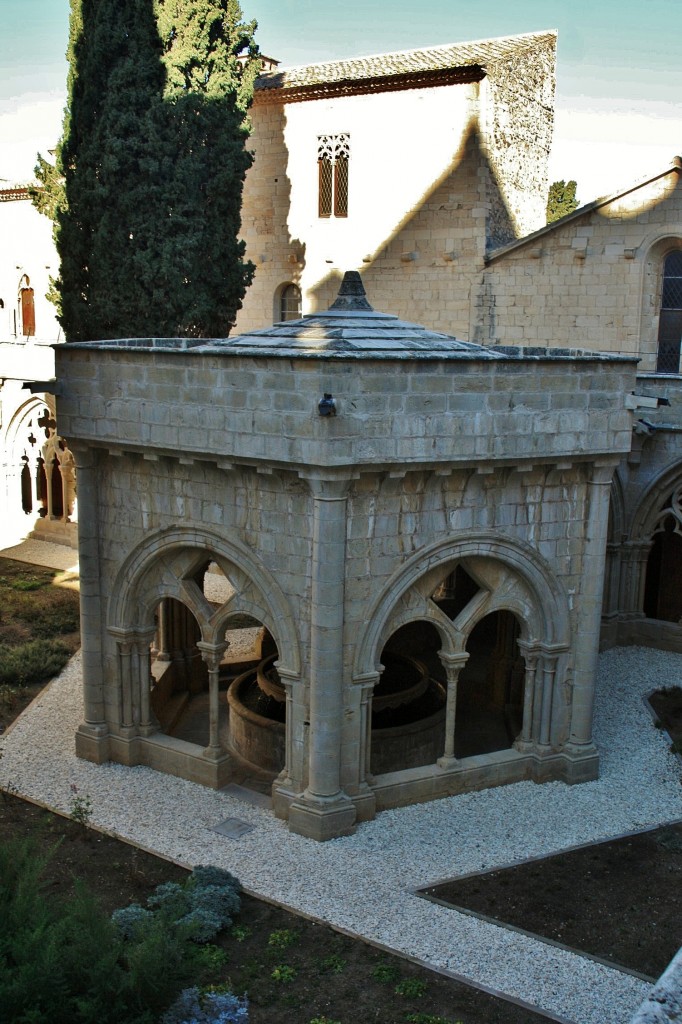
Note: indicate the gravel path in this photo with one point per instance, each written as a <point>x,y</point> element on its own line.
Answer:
<point>362,883</point>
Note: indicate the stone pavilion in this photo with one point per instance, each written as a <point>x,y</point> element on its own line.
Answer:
<point>371,553</point>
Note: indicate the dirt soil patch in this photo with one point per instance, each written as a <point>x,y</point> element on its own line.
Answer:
<point>293,969</point>
<point>619,901</point>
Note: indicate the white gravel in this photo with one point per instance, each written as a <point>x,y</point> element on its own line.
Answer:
<point>362,883</point>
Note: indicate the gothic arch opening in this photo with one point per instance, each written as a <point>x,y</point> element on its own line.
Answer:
<point>178,672</point>
<point>209,625</point>
<point>663,585</point>
<point>408,702</point>
<point>490,689</point>
<point>490,624</point>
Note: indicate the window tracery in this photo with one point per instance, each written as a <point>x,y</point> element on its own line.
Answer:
<point>333,156</point>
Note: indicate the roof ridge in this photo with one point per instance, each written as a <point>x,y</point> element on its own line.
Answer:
<point>439,47</point>
<point>399,64</point>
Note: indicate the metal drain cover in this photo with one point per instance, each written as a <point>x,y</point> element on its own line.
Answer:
<point>233,828</point>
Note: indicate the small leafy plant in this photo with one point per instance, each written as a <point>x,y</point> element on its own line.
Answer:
<point>197,910</point>
<point>411,988</point>
<point>385,973</point>
<point>283,938</point>
<point>324,1020</point>
<point>334,964</point>
<point>207,1006</point>
<point>283,974</point>
<point>240,932</point>
<point>80,810</point>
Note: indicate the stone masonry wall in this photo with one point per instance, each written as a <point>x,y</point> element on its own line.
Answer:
<point>593,280</point>
<point>405,212</point>
<point>389,411</point>
<point>517,118</point>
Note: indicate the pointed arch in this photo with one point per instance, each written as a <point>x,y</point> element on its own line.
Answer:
<point>540,602</point>
<point>163,561</point>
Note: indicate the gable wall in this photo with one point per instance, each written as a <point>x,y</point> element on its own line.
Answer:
<point>594,281</point>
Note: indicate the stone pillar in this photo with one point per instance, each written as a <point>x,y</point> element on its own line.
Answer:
<point>67,469</point>
<point>549,665</point>
<point>91,737</point>
<point>162,630</point>
<point>212,655</point>
<point>125,683</point>
<point>142,681</point>
<point>635,556</point>
<point>287,679</point>
<point>324,810</point>
<point>588,607</point>
<point>530,653</point>
<point>453,665</point>
<point>367,684</point>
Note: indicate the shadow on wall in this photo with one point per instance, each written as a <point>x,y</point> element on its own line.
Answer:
<point>425,270</point>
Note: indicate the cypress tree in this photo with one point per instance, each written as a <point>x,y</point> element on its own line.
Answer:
<point>153,157</point>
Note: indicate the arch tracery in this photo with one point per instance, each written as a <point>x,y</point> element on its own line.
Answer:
<point>512,590</point>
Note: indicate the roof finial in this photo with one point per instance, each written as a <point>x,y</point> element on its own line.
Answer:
<point>351,295</point>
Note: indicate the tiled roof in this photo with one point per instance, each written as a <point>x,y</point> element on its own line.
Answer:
<point>7,195</point>
<point>477,54</point>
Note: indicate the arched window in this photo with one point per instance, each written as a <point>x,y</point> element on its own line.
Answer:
<point>289,302</point>
<point>670,321</point>
<point>27,311</point>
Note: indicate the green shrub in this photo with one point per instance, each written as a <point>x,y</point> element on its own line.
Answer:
<point>32,662</point>
<point>196,910</point>
<point>64,961</point>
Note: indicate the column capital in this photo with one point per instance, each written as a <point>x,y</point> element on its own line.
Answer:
<point>327,485</point>
<point>212,653</point>
<point>457,660</point>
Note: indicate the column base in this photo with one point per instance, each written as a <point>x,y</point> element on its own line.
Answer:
<point>92,742</point>
<point>322,818</point>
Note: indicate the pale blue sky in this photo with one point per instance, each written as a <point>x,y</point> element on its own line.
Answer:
<point>619,83</point>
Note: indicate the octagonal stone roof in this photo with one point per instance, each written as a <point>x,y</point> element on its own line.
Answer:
<point>351,327</point>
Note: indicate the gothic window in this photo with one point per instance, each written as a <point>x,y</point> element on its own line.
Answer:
<point>290,302</point>
<point>663,585</point>
<point>670,321</point>
<point>333,154</point>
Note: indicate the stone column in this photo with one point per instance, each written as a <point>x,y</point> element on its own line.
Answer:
<point>635,557</point>
<point>589,606</point>
<point>549,665</point>
<point>212,655</point>
<point>91,738</point>
<point>453,664</point>
<point>530,652</point>
<point>287,680</point>
<point>324,810</point>
<point>125,681</point>
<point>142,678</point>
<point>367,684</point>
